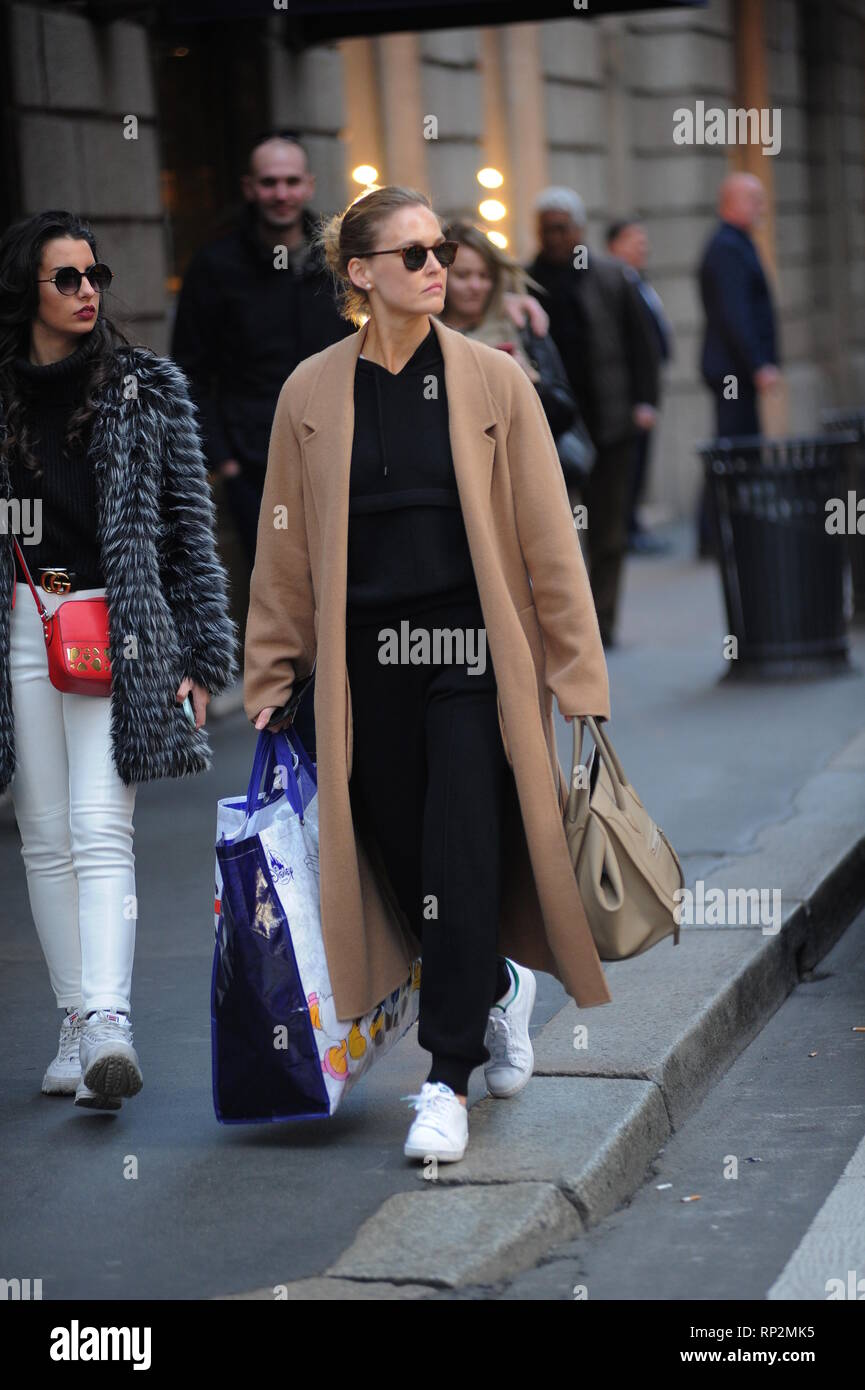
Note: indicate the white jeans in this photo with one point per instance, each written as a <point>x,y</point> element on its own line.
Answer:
<point>75,818</point>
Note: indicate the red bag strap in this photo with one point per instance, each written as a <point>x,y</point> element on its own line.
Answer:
<point>43,612</point>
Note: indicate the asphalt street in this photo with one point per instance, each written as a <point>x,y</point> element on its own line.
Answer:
<point>762,1153</point>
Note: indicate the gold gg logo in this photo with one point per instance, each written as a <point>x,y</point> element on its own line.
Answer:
<point>56,582</point>
<point>88,659</point>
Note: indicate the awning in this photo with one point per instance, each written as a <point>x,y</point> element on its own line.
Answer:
<point>311,21</point>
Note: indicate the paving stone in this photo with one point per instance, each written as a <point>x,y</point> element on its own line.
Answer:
<point>591,1137</point>
<point>469,1235</point>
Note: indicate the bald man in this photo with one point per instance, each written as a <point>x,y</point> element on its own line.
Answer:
<point>740,352</point>
<point>245,320</point>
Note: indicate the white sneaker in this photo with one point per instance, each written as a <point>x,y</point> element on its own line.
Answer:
<point>512,1056</point>
<point>109,1062</point>
<point>64,1073</point>
<point>94,1100</point>
<point>441,1129</point>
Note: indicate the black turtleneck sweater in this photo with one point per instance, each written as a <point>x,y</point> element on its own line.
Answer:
<point>67,487</point>
<point>407,544</point>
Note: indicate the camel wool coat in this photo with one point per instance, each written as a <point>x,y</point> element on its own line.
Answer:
<point>541,629</point>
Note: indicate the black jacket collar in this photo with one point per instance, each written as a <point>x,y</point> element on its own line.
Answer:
<point>247,230</point>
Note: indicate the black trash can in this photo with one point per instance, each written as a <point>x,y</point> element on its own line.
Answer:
<point>785,578</point>
<point>847,421</point>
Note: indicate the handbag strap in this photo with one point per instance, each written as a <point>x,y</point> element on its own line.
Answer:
<point>43,612</point>
<point>617,778</point>
<point>603,739</point>
<point>609,756</point>
<point>570,814</point>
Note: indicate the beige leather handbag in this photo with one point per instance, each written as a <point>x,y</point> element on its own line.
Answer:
<point>627,871</point>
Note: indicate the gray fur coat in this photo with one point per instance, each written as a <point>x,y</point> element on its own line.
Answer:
<point>165,585</point>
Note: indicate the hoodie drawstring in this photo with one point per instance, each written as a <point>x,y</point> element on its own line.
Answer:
<point>380,424</point>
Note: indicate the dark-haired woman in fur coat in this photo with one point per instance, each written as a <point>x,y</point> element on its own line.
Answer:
<point>103,485</point>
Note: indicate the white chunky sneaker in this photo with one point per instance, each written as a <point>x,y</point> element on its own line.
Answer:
<point>94,1100</point>
<point>109,1062</point>
<point>441,1128</point>
<point>64,1073</point>
<point>512,1056</point>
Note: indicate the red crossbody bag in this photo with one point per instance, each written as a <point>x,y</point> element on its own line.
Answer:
<point>76,639</point>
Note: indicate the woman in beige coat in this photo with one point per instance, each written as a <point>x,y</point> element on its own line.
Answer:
<point>413,503</point>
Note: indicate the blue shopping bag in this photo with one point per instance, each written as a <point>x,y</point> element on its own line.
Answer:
<point>279,1050</point>
<point>265,1060</point>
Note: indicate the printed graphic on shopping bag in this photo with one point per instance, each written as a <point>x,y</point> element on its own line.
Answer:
<point>285,825</point>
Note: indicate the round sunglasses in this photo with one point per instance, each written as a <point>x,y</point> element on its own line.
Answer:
<point>414,257</point>
<point>68,278</point>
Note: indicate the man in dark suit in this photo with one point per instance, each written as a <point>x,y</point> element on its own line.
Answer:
<point>740,348</point>
<point>627,240</point>
<point>601,328</point>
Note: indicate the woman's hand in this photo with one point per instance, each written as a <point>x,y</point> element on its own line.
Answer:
<point>519,307</point>
<point>265,717</point>
<point>200,699</point>
<point>645,417</point>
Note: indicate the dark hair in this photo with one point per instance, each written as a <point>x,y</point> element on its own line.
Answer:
<point>616,228</point>
<point>291,137</point>
<point>20,256</point>
<point>353,233</point>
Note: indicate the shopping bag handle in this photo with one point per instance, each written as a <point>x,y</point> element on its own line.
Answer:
<point>291,738</point>
<point>262,768</point>
<point>271,750</point>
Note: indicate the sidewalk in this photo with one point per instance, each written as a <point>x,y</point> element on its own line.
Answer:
<point>759,787</point>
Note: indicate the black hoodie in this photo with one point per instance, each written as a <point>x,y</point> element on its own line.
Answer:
<point>407,543</point>
<point>66,488</point>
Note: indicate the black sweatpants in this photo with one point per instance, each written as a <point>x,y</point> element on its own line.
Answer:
<point>427,783</point>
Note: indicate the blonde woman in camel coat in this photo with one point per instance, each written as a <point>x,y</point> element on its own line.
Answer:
<point>541,631</point>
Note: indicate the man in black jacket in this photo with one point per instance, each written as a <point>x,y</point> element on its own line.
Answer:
<point>254,304</point>
<point>740,351</point>
<point>604,336</point>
